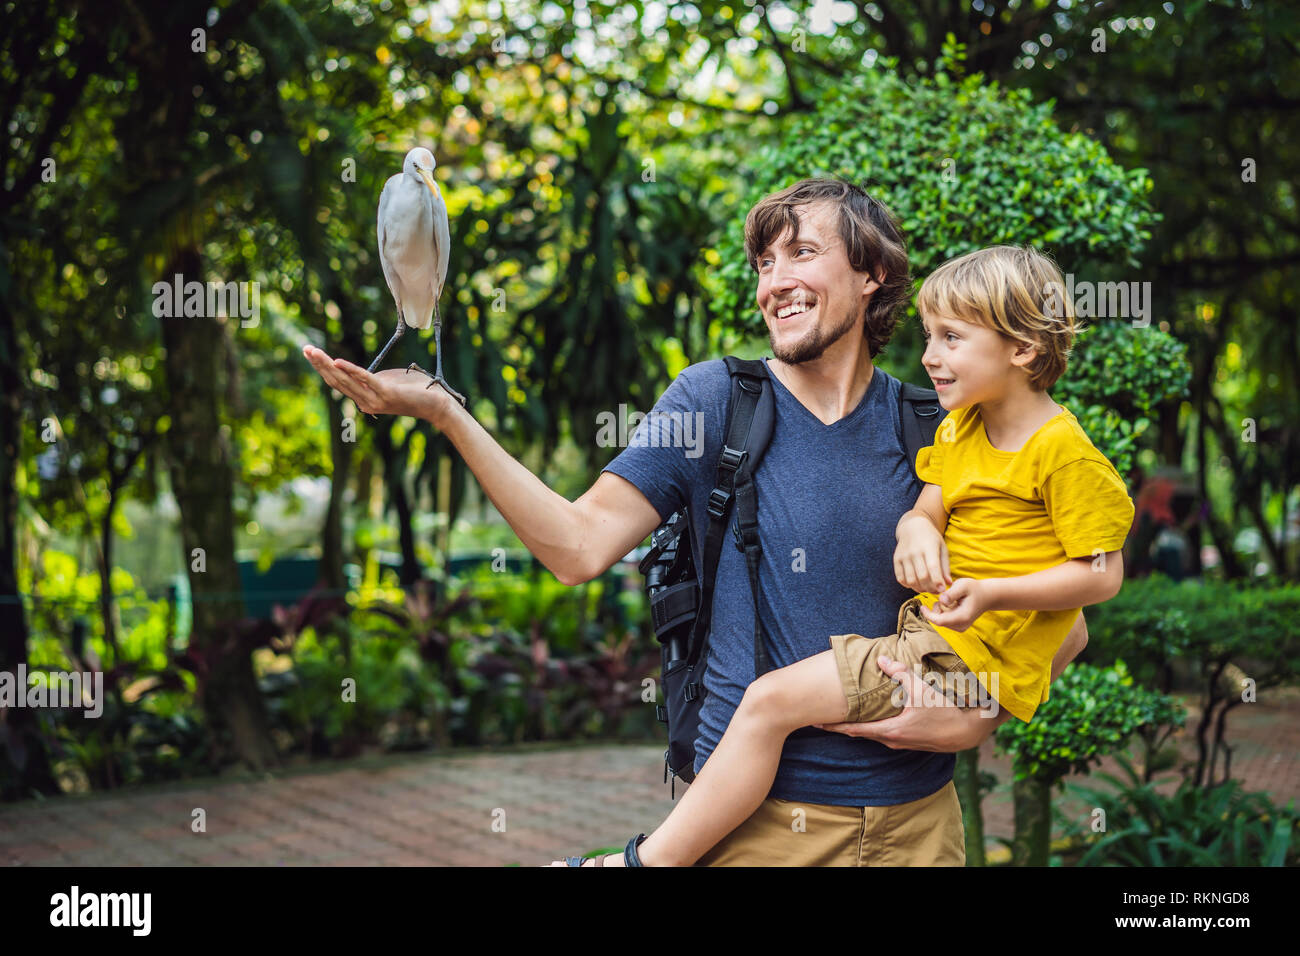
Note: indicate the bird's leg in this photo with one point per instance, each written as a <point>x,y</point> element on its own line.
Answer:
<point>397,334</point>
<point>401,328</point>
<point>437,344</point>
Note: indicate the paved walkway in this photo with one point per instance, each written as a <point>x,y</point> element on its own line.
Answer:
<point>523,806</point>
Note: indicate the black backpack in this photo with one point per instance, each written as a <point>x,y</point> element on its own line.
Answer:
<point>680,603</point>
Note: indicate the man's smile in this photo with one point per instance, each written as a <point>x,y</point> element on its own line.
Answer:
<point>793,309</point>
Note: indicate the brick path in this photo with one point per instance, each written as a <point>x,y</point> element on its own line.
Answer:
<point>441,809</point>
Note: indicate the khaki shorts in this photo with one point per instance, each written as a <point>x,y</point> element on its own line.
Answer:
<point>918,645</point>
<point>924,832</point>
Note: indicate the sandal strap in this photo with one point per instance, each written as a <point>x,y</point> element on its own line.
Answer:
<point>630,857</point>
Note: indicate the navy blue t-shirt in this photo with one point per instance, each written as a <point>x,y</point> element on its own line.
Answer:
<point>829,497</point>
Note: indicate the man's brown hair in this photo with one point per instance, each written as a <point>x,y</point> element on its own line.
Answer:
<point>871,235</point>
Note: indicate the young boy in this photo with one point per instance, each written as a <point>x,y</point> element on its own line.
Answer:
<point>1018,527</point>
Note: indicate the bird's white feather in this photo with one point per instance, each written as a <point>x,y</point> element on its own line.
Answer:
<point>414,246</point>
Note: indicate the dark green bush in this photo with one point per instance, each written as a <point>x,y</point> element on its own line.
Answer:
<point>1090,713</point>
<point>1155,620</point>
<point>504,659</point>
<point>1117,379</point>
<point>963,164</point>
<point>1236,639</point>
<point>1219,826</point>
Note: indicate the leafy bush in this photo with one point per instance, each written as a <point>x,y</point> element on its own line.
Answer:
<point>150,728</point>
<point>501,659</point>
<point>1236,638</point>
<point>1091,712</point>
<point>1155,620</point>
<point>963,164</point>
<point>390,700</point>
<point>1117,378</point>
<point>1219,826</point>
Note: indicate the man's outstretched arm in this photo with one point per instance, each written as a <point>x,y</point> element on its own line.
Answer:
<point>575,540</point>
<point>946,729</point>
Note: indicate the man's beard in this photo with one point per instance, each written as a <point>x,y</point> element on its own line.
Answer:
<point>813,344</point>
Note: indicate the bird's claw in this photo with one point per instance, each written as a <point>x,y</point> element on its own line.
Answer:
<point>438,379</point>
<point>448,389</point>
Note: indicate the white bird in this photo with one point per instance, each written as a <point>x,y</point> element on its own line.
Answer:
<point>414,246</point>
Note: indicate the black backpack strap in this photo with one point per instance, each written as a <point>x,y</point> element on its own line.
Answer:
<point>750,417</point>
<point>747,499</point>
<point>920,413</point>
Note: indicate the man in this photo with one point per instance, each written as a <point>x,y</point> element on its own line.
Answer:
<point>832,273</point>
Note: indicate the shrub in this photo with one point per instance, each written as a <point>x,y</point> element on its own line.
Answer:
<point>1220,826</point>
<point>1091,713</point>
<point>1237,638</point>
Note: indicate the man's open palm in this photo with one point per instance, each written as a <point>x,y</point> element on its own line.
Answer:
<point>389,392</point>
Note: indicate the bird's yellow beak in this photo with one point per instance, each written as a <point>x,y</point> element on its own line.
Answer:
<point>428,180</point>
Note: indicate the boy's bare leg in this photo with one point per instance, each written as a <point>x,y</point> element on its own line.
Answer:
<point>739,773</point>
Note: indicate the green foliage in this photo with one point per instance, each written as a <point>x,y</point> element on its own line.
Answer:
<point>158,735</point>
<point>1117,379</point>
<point>62,597</point>
<point>1089,714</point>
<point>150,728</point>
<point>395,697</point>
<point>524,659</point>
<point>963,164</point>
<point>1220,826</point>
<point>1154,621</point>
<point>1132,371</point>
<point>1236,638</point>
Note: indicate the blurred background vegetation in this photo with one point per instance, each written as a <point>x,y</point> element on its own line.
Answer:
<point>597,160</point>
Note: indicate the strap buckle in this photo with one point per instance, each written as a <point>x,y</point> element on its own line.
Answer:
<point>731,458</point>
<point>718,501</point>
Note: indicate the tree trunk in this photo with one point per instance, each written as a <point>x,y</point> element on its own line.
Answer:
<point>199,457</point>
<point>1222,536</point>
<point>1032,798</point>
<point>332,545</point>
<point>106,605</point>
<point>331,558</point>
<point>24,764</point>
<point>394,477</point>
<point>966,777</point>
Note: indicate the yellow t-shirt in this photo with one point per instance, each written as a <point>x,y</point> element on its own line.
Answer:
<point>1012,513</point>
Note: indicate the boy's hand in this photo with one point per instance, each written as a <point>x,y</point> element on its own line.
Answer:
<point>959,605</point>
<point>921,557</point>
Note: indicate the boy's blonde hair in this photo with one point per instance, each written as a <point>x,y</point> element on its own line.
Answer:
<point>1014,290</point>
